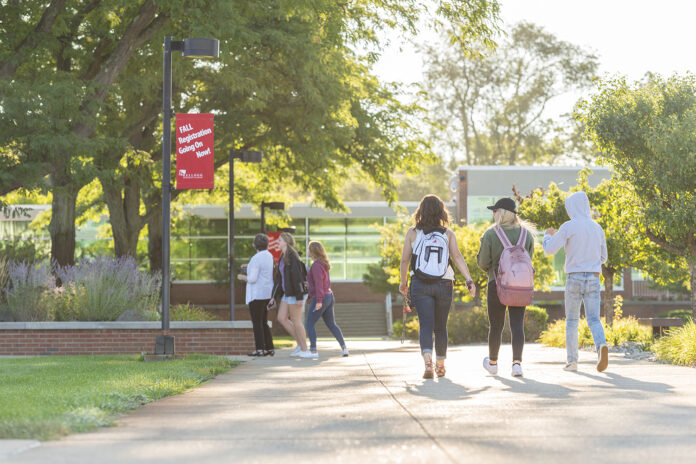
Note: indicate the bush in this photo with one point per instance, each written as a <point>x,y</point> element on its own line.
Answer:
<point>471,326</point>
<point>684,314</point>
<point>624,330</point>
<point>188,312</point>
<point>468,326</point>
<point>678,346</point>
<point>25,291</point>
<point>19,250</point>
<point>101,289</point>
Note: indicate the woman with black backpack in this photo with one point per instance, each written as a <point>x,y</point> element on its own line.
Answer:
<point>508,229</point>
<point>428,247</point>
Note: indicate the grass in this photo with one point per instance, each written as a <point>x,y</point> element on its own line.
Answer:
<point>47,397</point>
<point>678,346</point>
<point>283,341</point>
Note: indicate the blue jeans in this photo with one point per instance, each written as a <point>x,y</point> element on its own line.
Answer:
<point>582,286</point>
<point>327,313</point>
<point>432,302</point>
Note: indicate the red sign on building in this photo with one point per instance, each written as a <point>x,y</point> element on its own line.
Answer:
<point>194,151</point>
<point>273,245</point>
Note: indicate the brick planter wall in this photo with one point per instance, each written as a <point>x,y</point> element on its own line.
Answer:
<point>87,338</point>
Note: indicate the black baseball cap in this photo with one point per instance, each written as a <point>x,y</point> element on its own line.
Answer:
<point>507,204</point>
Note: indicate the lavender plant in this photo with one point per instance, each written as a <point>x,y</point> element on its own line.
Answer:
<point>102,288</point>
<point>26,290</point>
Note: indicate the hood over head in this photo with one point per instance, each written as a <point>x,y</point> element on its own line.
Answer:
<point>578,206</point>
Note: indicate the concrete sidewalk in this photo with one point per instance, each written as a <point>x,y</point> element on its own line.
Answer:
<point>374,407</point>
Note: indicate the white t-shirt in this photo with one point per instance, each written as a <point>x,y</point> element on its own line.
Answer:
<point>449,273</point>
<point>259,277</point>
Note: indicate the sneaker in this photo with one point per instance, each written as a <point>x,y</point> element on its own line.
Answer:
<point>345,353</point>
<point>602,358</point>
<point>516,370</point>
<point>491,368</point>
<point>296,352</point>
<point>308,354</point>
<point>571,367</point>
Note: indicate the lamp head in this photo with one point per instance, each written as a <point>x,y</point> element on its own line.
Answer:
<point>273,204</point>
<point>201,48</point>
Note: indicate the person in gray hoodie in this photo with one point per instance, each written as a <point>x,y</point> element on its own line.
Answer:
<point>585,250</point>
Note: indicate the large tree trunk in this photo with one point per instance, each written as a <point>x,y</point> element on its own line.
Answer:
<point>62,225</point>
<point>124,214</point>
<point>154,235</point>
<point>608,274</point>
<point>692,269</point>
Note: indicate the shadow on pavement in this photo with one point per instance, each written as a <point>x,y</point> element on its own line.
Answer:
<point>628,383</point>
<point>534,387</point>
<point>443,389</point>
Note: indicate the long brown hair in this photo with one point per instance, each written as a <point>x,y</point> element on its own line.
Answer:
<point>431,212</point>
<point>317,252</point>
<point>291,251</point>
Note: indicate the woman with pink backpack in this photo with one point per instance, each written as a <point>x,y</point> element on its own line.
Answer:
<point>505,254</point>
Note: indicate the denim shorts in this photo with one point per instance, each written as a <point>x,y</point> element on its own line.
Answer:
<point>290,299</point>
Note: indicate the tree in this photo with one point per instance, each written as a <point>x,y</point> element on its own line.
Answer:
<point>608,201</point>
<point>646,131</point>
<point>80,96</point>
<point>489,108</point>
<point>385,277</point>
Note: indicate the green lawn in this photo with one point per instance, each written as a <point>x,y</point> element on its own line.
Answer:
<point>47,397</point>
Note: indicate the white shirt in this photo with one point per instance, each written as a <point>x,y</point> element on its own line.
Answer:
<point>259,277</point>
<point>583,239</point>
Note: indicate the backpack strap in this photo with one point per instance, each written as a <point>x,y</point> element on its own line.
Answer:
<point>503,238</point>
<point>523,237</point>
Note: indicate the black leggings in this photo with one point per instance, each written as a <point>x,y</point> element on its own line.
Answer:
<point>259,320</point>
<point>496,318</point>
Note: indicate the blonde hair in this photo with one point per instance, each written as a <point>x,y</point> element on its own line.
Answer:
<point>508,219</point>
<point>318,253</point>
<point>290,240</point>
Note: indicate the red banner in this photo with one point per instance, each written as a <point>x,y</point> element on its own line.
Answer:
<point>194,151</point>
<point>273,245</point>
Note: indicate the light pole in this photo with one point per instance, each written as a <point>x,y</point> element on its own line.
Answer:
<point>245,157</point>
<point>209,48</point>
<point>270,205</point>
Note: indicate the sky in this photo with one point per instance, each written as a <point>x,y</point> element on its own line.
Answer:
<point>631,37</point>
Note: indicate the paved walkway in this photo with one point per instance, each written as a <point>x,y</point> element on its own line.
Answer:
<point>373,407</point>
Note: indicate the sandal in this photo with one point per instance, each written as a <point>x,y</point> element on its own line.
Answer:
<point>256,353</point>
<point>269,353</point>
<point>428,374</point>
<point>440,368</point>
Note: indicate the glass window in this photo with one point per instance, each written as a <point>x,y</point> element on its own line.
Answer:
<point>362,246</point>
<point>338,270</point>
<point>212,248</point>
<point>364,226</point>
<point>197,226</point>
<point>327,226</point>
<point>335,246</point>
<point>355,268</point>
<point>246,227</point>
<point>477,211</point>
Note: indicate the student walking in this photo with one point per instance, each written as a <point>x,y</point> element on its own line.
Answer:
<point>321,299</point>
<point>428,247</point>
<point>290,287</point>
<point>259,279</point>
<point>511,239</point>
<point>585,250</point>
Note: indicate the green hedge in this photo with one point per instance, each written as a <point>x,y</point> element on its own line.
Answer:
<point>678,346</point>
<point>623,330</point>
<point>684,314</point>
<point>471,326</point>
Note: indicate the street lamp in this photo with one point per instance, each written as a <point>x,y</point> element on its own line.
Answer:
<point>194,47</point>
<point>279,205</point>
<point>245,156</point>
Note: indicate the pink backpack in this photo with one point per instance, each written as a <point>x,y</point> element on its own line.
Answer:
<point>515,277</point>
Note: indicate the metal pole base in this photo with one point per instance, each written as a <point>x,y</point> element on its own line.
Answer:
<point>164,344</point>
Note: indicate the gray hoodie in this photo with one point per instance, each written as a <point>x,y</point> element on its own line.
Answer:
<point>583,239</point>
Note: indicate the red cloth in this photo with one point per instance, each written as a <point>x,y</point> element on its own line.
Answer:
<point>318,280</point>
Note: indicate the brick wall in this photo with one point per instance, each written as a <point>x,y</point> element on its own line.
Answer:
<point>45,338</point>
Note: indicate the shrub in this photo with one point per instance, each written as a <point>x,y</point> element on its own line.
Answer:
<point>19,250</point>
<point>684,314</point>
<point>101,289</point>
<point>624,330</point>
<point>678,346</point>
<point>468,326</point>
<point>411,328</point>
<point>188,312</point>
<point>25,291</point>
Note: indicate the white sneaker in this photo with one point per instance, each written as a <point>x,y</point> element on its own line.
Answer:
<point>571,367</point>
<point>345,353</point>
<point>296,352</point>
<point>308,354</point>
<point>491,368</point>
<point>516,370</point>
